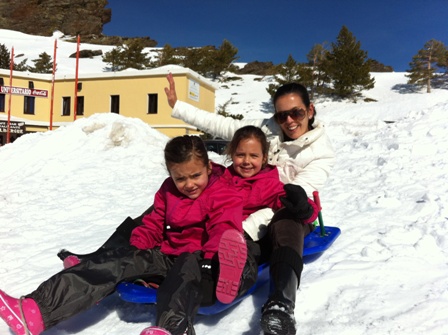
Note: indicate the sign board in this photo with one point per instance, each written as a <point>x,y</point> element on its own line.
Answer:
<point>193,90</point>
<point>14,127</point>
<point>24,91</point>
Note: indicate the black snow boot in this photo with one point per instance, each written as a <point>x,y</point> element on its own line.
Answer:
<point>277,317</point>
<point>119,238</point>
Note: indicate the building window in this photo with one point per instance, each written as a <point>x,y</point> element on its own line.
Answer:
<point>66,106</point>
<point>115,104</point>
<point>2,102</point>
<point>152,103</point>
<point>80,106</point>
<point>29,105</point>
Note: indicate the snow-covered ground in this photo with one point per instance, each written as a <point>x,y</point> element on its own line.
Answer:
<point>388,192</point>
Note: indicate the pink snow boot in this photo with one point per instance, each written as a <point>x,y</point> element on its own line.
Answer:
<point>153,330</point>
<point>70,261</point>
<point>232,252</point>
<point>22,315</point>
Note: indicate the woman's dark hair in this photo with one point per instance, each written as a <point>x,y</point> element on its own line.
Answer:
<point>301,91</point>
<point>182,149</point>
<point>246,133</point>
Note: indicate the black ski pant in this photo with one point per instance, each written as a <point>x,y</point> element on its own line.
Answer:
<point>78,288</point>
<point>284,231</point>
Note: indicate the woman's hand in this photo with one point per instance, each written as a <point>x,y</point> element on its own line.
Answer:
<point>171,91</point>
<point>296,202</point>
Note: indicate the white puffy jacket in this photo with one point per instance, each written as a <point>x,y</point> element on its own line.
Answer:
<point>306,161</point>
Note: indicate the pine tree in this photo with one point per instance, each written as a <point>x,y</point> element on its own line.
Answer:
<point>426,62</point>
<point>43,64</point>
<point>133,55</point>
<point>4,57</point>
<point>130,55</point>
<point>208,60</point>
<point>288,72</point>
<point>221,58</point>
<point>21,66</point>
<point>5,60</point>
<point>167,56</point>
<point>114,58</point>
<point>445,62</point>
<point>291,72</point>
<point>348,66</point>
<point>317,58</point>
<point>285,73</point>
<point>198,59</point>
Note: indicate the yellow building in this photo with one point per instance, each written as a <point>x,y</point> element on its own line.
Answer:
<point>33,106</point>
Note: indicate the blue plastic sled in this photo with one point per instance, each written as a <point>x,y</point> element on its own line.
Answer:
<point>315,245</point>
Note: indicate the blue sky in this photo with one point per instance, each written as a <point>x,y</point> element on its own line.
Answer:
<point>391,31</point>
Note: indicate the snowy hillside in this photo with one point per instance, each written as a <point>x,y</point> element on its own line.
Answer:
<point>388,192</point>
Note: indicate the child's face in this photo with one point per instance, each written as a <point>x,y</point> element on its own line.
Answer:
<point>248,157</point>
<point>190,178</point>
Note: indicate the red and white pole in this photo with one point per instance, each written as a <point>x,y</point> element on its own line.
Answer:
<point>52,84</point>
<point>75,108</point>
<point>11,68</point>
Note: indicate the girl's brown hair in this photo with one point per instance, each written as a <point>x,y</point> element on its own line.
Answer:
<point>244,133</point>
<point>182,149</point>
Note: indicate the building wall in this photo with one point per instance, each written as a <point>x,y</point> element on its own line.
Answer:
<point>132,87</point>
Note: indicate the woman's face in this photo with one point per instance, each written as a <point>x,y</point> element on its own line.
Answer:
<point>190,178</point>
<point>248,157</point>
<point>292,115</point>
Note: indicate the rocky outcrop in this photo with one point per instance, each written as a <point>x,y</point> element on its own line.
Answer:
<point>43,17</point>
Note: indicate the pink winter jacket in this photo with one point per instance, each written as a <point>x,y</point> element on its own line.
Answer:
<point>179,224</point>
<point>262,191</point>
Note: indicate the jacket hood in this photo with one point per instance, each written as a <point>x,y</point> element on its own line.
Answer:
<point>217,171</point>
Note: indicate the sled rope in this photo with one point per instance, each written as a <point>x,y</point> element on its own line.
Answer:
<point>145,284</point>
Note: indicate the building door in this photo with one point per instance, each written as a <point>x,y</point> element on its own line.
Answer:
<point>115,104</point>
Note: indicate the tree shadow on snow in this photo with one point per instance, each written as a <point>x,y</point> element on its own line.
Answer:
<point>406,88</point>
<point>267,108</point>
<point>440,82</point>
<point>436,83</point>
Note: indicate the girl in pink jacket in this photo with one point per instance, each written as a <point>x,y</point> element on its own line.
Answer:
<point>281,243</point>
<point>256,181</point>
<point>197,211</point>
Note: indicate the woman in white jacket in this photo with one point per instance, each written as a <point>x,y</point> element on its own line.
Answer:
<point>299,145</point>
<point>301,150</point>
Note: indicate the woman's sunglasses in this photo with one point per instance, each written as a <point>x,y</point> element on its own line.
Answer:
<point>297,114</point>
